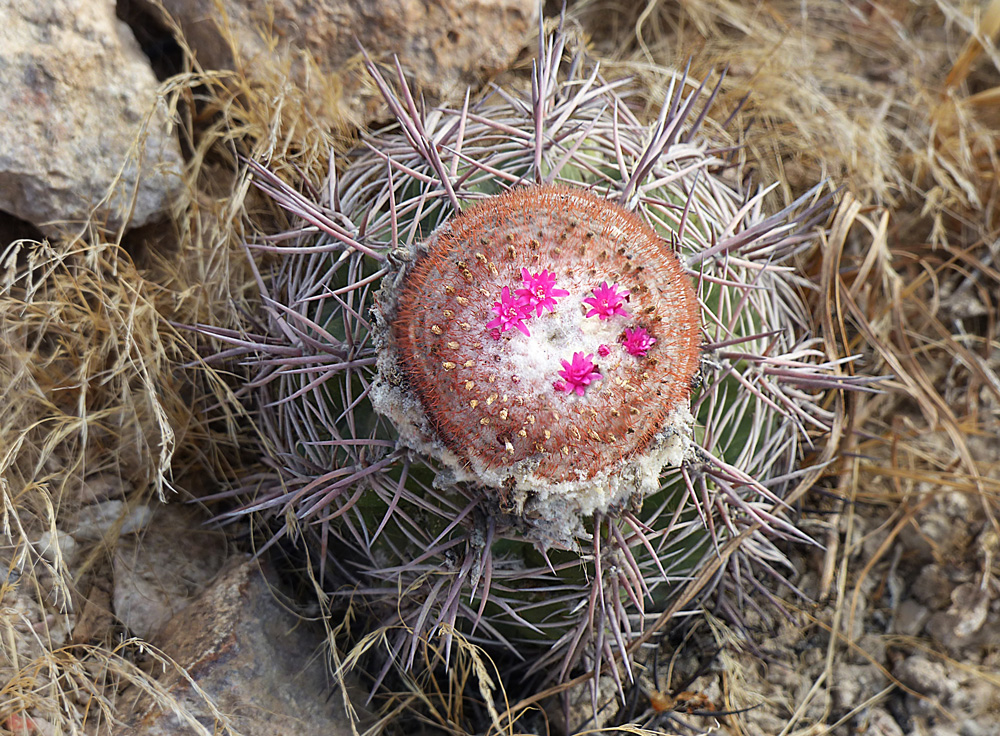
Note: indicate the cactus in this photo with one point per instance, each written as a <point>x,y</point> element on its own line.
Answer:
<point>530,363</point>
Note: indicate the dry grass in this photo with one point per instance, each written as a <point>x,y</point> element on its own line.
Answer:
<point>858,92</point>
<point>91,390</point>
<point>94,385</point>
<point>896,100</point>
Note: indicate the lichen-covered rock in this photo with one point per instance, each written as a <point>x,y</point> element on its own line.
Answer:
<point>446,45</point>
<point>160,570</point>
<point>249,664</point>
<point>77,98</point>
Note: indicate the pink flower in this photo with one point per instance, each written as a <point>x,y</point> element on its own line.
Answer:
<point>510,315</point>
<point>578,374</point>
<point>607,301</point>
<point>603,350</point>
<point>539,291</point>
<point>637,341</point>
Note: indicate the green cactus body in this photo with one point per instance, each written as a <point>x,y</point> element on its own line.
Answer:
<point>388,375</point>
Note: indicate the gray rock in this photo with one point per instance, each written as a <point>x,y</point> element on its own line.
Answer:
<point>958,631</point>
<point>880,723</point>
<point>932,587</point>
<point>853,683</point>
<point>973,727</point>
<point>101,487</point>
<point>979,700</point>
<point>944,729</point>
<point>924,676</point>
<point>108,519</point>
<point>75,97</point>
<point>447,45</point>
<point>970,605</point>
<point>256,666</point>
<point>58,547</point>
<point>910,618</point>
<point>158,573</point>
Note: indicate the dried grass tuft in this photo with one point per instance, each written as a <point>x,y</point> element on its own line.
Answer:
<point>226,118</point>
<point>91,368</point>
<point>89,371</point>
<point>858,93</point>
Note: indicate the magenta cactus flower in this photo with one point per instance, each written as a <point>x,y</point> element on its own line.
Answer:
<point>511,314</point>
<point>427,385</point>
<point>607,302</point>
<point>637,341</point>
<point>539,292</point>
<point>578,374</point>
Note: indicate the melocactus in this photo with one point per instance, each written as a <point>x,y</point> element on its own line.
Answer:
<point>530,363</point>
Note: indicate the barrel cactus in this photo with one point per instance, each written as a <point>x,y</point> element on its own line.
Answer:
<point>528,364</point>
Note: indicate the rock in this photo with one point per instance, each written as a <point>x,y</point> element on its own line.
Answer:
<point>101,487</point>
<point>25,725</point>
<point>852,683</point>
<point>251,656</point>
<point>910,618</point>
<point>962,625</point>
<point>944,729</point>
<point>942,627</point>
<point>924,676</point>
<point>76,93</point>
<point>99,520</point>
<point>973,727</point>
<point>970,605</point>
<point>932,587</point>
<point>880,723</point>
<point>979,699</point>
<point>58,547</point>
<point>157,573</point>
<point>95,619</point>
<point>447,45</point>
